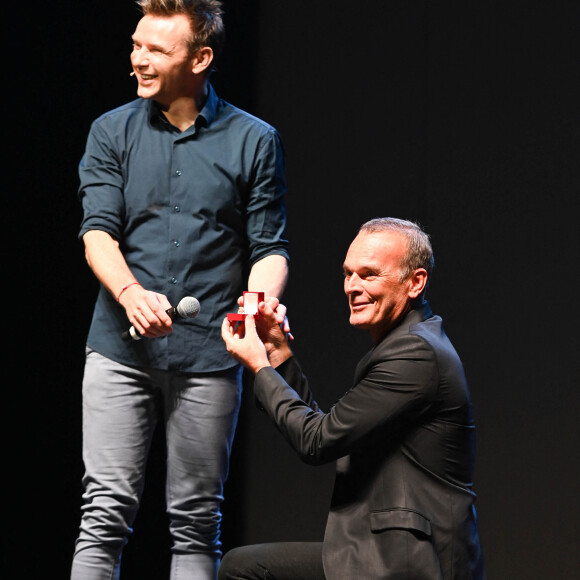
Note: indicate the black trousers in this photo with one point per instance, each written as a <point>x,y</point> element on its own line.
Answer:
<point>275,561</point>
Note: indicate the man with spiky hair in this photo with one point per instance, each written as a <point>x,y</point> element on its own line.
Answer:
<point>183,195</point>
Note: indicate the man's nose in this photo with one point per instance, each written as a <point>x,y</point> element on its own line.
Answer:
<point>352,283</point>
<point>139,57</point>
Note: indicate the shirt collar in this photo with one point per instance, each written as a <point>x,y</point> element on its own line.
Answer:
<point>422,308</point>
<point>208,111</point>
<point>206,115</point>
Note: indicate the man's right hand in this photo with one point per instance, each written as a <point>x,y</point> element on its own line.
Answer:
<point>146,311</point>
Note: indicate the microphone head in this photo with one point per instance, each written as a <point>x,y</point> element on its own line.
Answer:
<point>188,307</point>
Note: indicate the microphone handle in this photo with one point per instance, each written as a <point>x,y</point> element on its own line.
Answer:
<point>132,332</point>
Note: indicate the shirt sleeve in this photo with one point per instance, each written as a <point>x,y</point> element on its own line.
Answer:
<point>101,185</point>
<point>266,208</point>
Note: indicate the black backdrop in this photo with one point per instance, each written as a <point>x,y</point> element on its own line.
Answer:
<point>463,116</point>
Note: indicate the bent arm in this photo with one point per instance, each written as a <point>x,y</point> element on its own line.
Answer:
<point>107,262</point>
<point>394,392</point>
<point>145,309</point>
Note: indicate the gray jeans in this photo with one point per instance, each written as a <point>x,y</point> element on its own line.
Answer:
<point>121,407</point>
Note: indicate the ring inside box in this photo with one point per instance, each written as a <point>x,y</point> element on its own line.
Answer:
<point>249,306</point>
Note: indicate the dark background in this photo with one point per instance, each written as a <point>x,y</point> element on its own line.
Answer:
<point>463,116</point>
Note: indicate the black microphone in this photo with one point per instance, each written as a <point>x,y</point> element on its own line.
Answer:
<point>188,307</point>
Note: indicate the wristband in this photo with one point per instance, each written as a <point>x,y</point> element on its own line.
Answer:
<point>125,288</point>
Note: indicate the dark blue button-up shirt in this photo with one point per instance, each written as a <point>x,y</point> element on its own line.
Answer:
<point>192,212</point>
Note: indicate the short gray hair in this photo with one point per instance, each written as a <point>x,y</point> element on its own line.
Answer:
<point>419,250</point>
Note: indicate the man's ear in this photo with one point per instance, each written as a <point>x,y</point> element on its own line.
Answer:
<point>417,282</point>
<point>202,60</point>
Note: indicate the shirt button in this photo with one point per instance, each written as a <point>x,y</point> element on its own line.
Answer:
<point>173,280</point>
<point>178,172</point>
<point>176,243</point>
<point>176,209</point>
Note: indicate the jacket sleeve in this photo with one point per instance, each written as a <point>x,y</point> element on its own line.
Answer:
<point>398,385</point>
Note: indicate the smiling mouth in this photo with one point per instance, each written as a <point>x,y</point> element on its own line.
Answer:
<point>148,77</point>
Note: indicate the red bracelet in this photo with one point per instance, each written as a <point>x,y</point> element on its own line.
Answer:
<point>125,288</point>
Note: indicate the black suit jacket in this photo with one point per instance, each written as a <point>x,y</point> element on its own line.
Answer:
<point>403,437</point>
